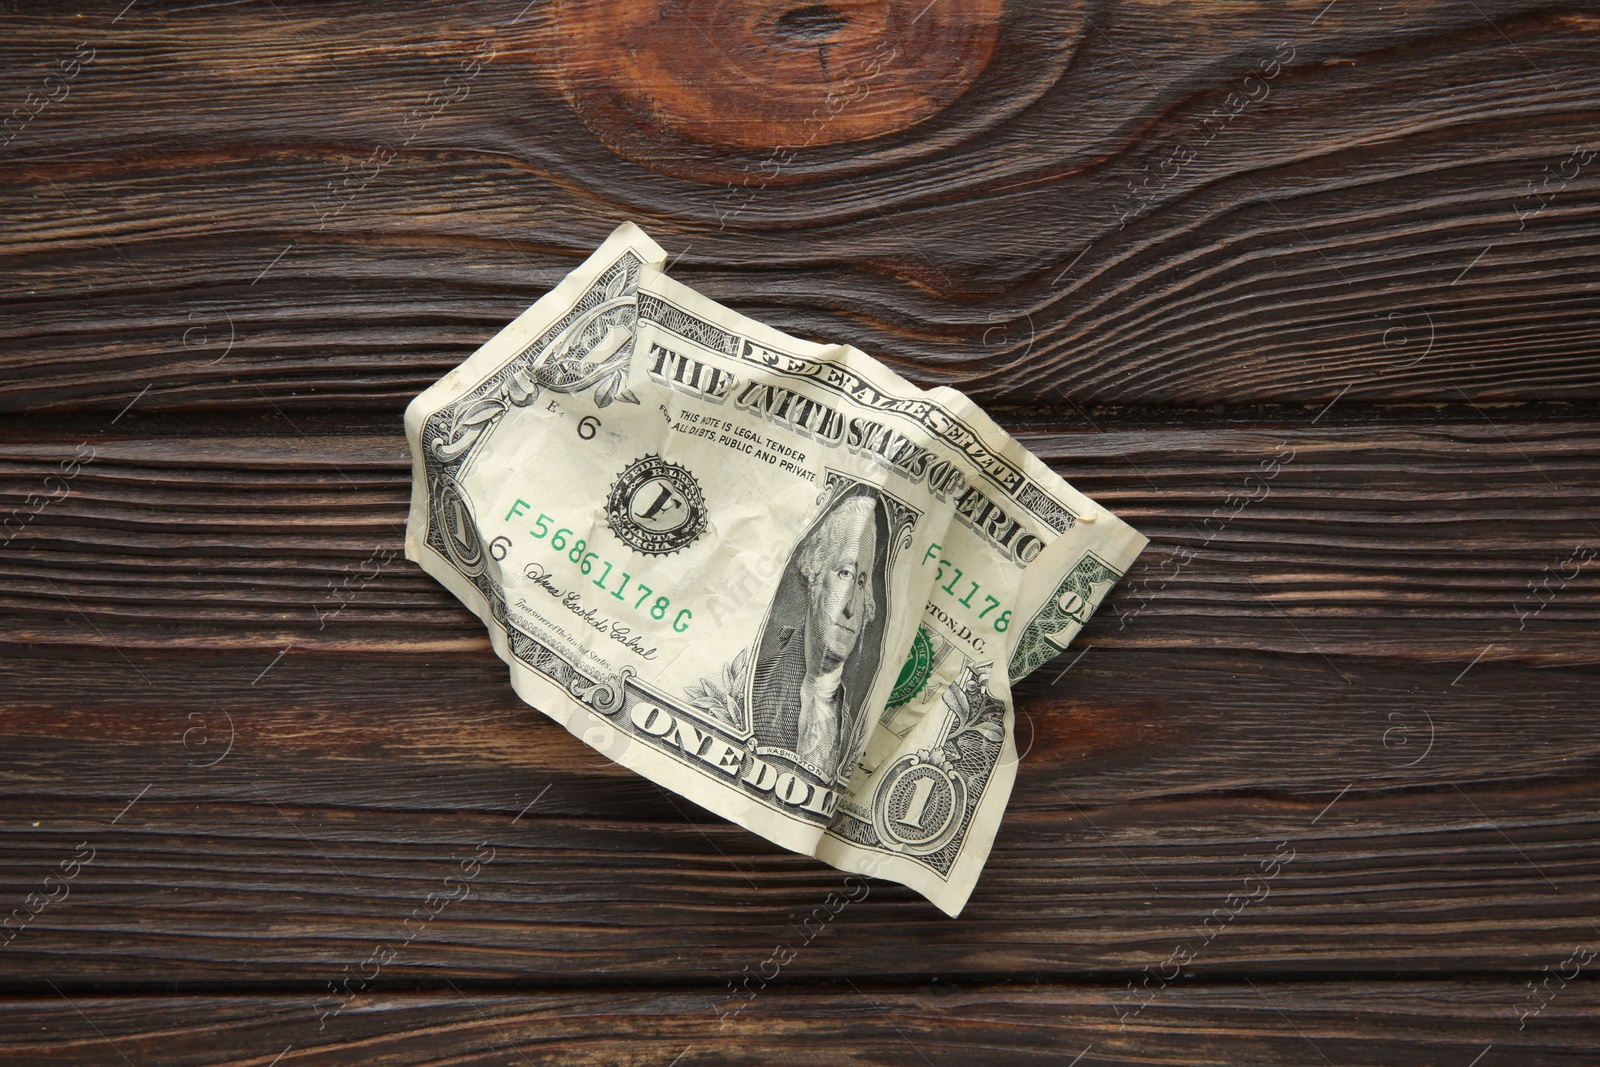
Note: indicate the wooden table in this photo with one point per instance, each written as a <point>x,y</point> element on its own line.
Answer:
<point>1308,292</point>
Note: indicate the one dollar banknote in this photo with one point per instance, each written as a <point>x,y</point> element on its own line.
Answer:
<point>768,574</point>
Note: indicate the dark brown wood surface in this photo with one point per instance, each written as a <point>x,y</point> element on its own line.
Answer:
<point>1167,244</point>
<point>834,1023</point>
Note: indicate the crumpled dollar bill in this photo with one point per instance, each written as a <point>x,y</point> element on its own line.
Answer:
<point>768,574</point>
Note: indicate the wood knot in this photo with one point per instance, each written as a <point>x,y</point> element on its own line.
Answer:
<point>812,25</point>
<point>653,79</point>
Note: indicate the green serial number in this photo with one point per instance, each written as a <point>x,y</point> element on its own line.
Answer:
<point>1002,621</point>
<point>578,554</point>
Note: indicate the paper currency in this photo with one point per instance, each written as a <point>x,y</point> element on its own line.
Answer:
<point>768,574</point>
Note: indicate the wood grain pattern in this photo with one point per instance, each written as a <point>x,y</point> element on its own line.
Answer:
<point>767,76</point>
<point>1294,1023</point>
<point>1352,539</point>
<point>1155,203</point>
<point>189,600</point>
<point>1307,293</point>
<point>268,871</point>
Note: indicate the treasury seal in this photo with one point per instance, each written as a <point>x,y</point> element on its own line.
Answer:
<point>656,507</point>
<point>916,672</point>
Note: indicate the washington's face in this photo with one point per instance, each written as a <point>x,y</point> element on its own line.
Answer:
<point>838,596</point>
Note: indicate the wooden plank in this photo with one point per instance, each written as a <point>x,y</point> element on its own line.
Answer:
<point>1436,537</point>
<point>271,867</point>
<point>276,825</point>
<point>1173,204</point>
<point>1358,1023</point>
<point>1121,726</point>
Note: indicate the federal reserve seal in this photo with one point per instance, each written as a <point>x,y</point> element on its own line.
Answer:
<point>656,507</point>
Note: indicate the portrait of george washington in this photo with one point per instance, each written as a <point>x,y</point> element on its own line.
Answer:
<point>823,640</point>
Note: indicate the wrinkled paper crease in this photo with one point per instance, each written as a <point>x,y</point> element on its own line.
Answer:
<point>768,574</point>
